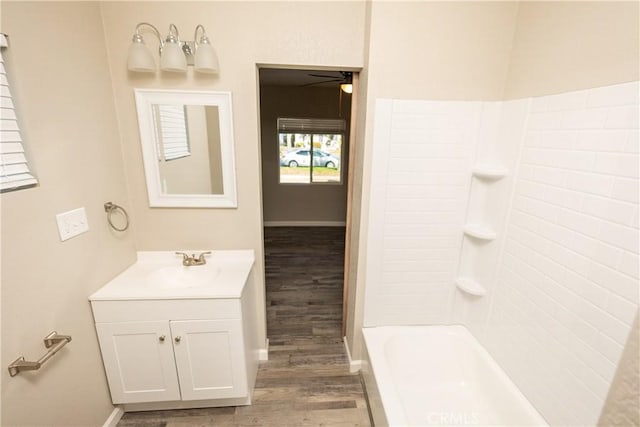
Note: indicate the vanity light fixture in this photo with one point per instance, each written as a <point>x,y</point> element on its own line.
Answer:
<point>206,60</point>
<point>175,54</point>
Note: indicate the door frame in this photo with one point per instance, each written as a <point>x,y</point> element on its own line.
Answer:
<point>350,175</point>
<point>349,172</point>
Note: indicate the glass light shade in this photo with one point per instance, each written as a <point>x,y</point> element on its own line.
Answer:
<point>206,60</point>
<point>172,58</point>
<point>346,87</point>
<point>140,58</point>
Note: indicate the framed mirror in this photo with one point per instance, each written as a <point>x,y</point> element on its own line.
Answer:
<point>187,148</point>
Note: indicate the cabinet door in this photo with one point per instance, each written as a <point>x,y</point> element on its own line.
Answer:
<point>210,358</point>
<point>139,362</point>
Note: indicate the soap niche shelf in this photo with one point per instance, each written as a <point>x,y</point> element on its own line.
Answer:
<point>489,172</point>
<point>479,232</point>
<point>470,286</point>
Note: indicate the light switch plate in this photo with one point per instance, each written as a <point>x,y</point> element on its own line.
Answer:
<point>72,223</point>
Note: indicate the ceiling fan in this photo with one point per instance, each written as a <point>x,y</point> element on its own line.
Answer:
<point>345,78</point>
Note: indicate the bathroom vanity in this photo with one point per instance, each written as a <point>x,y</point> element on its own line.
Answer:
<point>175,336</point>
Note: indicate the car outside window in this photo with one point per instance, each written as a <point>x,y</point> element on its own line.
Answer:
<point>310,150</point>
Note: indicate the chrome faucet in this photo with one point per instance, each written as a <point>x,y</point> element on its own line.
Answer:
<point>188,261</point>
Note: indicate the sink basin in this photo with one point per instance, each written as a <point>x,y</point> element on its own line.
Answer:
<point>161,275</point>
<point>184,277</point>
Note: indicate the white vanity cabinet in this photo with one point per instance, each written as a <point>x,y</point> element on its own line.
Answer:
<point>139,361</point>
<point>210,358</point>
<point>177,350</point>
<point>173,360</point>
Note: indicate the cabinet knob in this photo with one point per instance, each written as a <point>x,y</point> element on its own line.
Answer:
<point>177,339</point>
<point>161,338</point>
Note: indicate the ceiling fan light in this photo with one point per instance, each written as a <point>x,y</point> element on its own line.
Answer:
<point>346,87</point>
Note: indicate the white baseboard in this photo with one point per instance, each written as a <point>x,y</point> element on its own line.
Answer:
<point>354,365</point>
<point>304,223</point>
<point>263,353</point>
<point>115,416</point>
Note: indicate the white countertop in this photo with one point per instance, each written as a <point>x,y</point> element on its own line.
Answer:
<point>161,275</point>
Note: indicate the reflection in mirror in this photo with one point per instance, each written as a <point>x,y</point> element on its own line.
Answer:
<point>188,140</point>
<point>187,145</point>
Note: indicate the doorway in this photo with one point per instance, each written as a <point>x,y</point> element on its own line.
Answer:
<point>306,142</point>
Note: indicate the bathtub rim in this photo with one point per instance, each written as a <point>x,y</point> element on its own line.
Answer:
<point>392,406</point>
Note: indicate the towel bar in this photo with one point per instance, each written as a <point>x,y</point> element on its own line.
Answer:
<point>53,342</point>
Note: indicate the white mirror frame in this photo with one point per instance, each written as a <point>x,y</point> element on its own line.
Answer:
<point>145,99</point>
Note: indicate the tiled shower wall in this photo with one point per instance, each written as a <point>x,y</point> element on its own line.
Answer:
<point>567,289</point>
<point>424,152</point>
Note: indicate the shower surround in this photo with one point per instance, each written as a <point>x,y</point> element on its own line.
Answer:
<point>519,220</point>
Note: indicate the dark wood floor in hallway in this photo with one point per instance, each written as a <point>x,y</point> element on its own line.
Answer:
<point>306,381</point>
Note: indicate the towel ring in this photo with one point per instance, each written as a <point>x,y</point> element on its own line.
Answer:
<point>109,208</point>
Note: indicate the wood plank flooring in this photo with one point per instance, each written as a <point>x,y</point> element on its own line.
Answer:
<point>306,381</point>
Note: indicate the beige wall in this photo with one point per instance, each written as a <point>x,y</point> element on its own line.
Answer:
<point>58,62</point>
<point>562,46</point>
<point>244,34</point>
<point>295,203</point>
<point>67,98</point>
<point>356,225</point>
<point>424,50</point>
<point>485,51</point>
<point>67,95</point>
<point>215,149</point>
<point>440,49</point>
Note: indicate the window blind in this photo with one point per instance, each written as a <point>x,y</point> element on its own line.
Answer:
<point>173,131</point>
<point>296,125</point>
<point>14,169</point>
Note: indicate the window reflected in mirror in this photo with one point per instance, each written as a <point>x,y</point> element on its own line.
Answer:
<point>188,143</point>
<point>171,131</point>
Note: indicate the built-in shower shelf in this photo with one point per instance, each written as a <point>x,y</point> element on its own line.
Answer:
<point>489,173</point>
<point>470,286</point>
<point>479,232</point>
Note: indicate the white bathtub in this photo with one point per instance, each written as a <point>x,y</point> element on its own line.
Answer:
<point>439,375</point>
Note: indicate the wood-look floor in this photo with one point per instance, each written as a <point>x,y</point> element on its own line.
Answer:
<point>306,381</point>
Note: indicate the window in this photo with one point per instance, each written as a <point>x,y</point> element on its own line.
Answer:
<point>310,150</point>
<point>14,170</point>
<point>173,138</point>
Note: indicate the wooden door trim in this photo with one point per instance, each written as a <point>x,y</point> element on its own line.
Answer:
<point>350,173</point>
